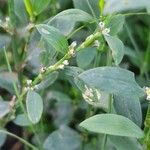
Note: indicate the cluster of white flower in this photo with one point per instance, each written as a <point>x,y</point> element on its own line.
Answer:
<point>88,94</point>
<point>6,23</point>
<point>97,43</point>
<point>29,86</point>
<point>43,69</point>
<point>72,48</point>
<point>105,31</point>
<point>147,90</point>
<point>91,95</point>
<point>65,63</point>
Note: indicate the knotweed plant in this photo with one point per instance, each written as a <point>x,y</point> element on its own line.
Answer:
<point>76,78</point>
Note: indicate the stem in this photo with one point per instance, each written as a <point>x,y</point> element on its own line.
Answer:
<point>104,142</point>
<point>29,9</point>
<point>20,139</point>
<point>86,43</point>
<point>89,41</point>
<point>19,97</point>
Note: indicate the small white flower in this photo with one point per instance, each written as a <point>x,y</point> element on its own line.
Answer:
<point>96,43</point>
<point>73,44</point>
<point>43,69</point>
<point>29,82</point>
<point>61,66</point>
<point>72,52</point>
<point>31,88</point>
<point>98,94</point>
<point>147,90</point>
<point>66,62</point>
<point>7,19</point>
<point>45,31</point>
<point>36,87</point>
<point>26,89</point>
<point>88,92</point>
<point>106,31</point>
<point>88,99</point>
<point>101,25</point>
<point>50,67</point>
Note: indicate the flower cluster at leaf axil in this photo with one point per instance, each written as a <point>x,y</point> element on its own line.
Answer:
<point>104,30</point>
<point>92,96</point>
<point>29,85</point>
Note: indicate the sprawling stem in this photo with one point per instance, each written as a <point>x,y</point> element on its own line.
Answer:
<point>53,68</point>
<point>20,139</point>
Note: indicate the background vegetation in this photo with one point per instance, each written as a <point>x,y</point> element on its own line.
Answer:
<point>48,87</point>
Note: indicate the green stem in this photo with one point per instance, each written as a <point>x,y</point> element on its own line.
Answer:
<point>29,9</point>
<point>86,43</point>
<point>20,139</point>
<point>19,97</point>
<point>89,41</point>
<point>104,142</point>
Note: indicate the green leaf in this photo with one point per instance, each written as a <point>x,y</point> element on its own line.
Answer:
<point>119,6</point>
<point>72,71</point>
<point>66,20</point>
<point>124,143</point>
<point>85,57</point>
<point>116,24</point>
<point>49,80</point>
<point>129,107</point>
<point>53,37</point>
<point>101,5</point>
<point>65,138</point>
<point>34,106</point>
<point>39,6</point>
<point>22,120</point>
<point>113,80</point>
<point>4,108</point>
<point>112,124</point>
<point>6,81</point>
<point>20,12</point>
<point>91,7</point>
<point>117,48</point>
<point>4,41</point>
<point>2,138</point>
<point>29,8</point>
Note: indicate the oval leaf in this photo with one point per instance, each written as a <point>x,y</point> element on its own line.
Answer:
<point>4,108</point>
<point>22,120</point>
<point>53,37</point>
<point>129,107</point>
<point>39,6</point>
<point>66,20</point>
<point>34,106</point>
<point>117,48</point>
<point>113,80</point>
<point>3,137</point>
<point>112,124</point>
<point>65,138</point>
